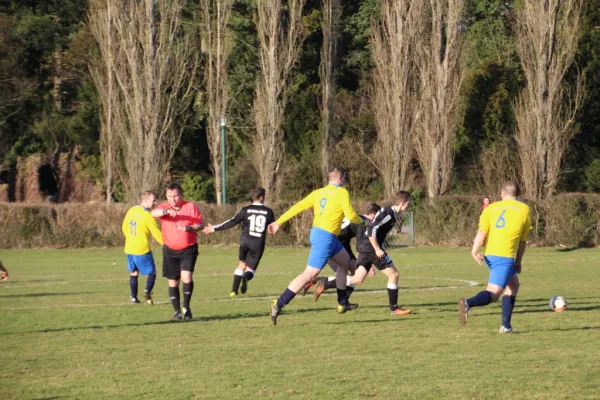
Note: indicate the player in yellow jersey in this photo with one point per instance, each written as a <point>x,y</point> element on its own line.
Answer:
<point>507,225</point>
<point>137,227</point>
<point>330,205</point>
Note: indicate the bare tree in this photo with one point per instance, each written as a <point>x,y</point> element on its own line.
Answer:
<point>394,43</point>
<point>153,64</point>
<point>217,48</point>
<point>280,33</point>
<point>330,27</point>
<point>547,34</point>
<point>440,76</point>
<point>101,70</point>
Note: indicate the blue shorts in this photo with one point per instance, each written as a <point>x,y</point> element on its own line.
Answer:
<point>501,270</point>
<point>323,246</point>
<point>143,263</point>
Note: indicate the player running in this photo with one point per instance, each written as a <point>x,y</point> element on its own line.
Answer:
<point>349,231</point>
<point>506,224</point>
<point>137,227</point>
<point>370,249</point>
<point>254,219</point>
<point>330,204</point>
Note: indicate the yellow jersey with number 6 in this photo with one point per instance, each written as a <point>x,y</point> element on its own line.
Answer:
<point>330,204</point>
<point>506,223</point>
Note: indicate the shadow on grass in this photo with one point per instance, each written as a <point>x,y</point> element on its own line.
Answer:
<point>45,294</point>
<point>210,318</point>
<point>580,328</point>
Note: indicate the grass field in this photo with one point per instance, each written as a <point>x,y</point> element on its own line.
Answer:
<point>68,332</point>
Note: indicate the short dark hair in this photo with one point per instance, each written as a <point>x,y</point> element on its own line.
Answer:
<point>337,169</point>
<point>486,197</point>
<point>175,186</point>
<point>511,188</point>
<point>257,193</point>
<point>401,197</point>
<point>373,208</point>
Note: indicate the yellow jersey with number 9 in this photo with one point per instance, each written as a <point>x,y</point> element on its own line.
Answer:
<point>506,223</point>
<point>330,205</point>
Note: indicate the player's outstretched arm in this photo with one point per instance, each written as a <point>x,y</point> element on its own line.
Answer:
<point>273,228</point>
<point>208,229</point>
<point>297,208</point>
<point>230,223</point>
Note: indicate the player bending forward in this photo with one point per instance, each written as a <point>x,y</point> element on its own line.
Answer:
<point>371,252</point>
<point>348,232</point>
<point>254,219</point>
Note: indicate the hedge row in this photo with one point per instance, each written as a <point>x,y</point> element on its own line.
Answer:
<point>570,220</point>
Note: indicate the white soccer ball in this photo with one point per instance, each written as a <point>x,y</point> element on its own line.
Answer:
<point>558,303</point>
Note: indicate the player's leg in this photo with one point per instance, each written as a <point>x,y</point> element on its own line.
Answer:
<point>147,267</point>
<point>133,279</point>
<point>252,260</point>
<point>508,303</point>
<point>188,264</point>
<point>172,271</point>
<point>389,270</point>
<point>293,288</point>
<point>500,273</point>
<point>342,259</point>
<point>324,283</point>
<point>320,251</point>
<point>239,271</point>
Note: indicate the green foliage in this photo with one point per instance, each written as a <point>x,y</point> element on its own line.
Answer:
<point>34,32</point>
<point>592,176</point>
<point>197,187</point>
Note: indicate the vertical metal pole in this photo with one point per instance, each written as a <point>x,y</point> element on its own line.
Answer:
<point>223,156</point>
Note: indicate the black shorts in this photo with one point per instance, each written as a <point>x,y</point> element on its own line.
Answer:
<point>251,255</point>
<point>175,261</point>
<point>349,250</point>
<point>368,259</point>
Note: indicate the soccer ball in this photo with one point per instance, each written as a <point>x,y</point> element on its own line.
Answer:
<point>558,303</point>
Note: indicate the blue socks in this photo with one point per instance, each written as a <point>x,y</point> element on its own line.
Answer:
<point>133,284</point>
<point>482,298</point>
<point>285,298</point>
<point>150,283</point>
<point>508,303</point>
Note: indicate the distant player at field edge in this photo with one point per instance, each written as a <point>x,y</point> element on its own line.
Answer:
<point>3,273</point>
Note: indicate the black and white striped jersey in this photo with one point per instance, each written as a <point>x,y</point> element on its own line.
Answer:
<point>255,219</point>
<point>379,228</point>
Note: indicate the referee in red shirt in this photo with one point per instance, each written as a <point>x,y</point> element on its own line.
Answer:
<point>180,221</point>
